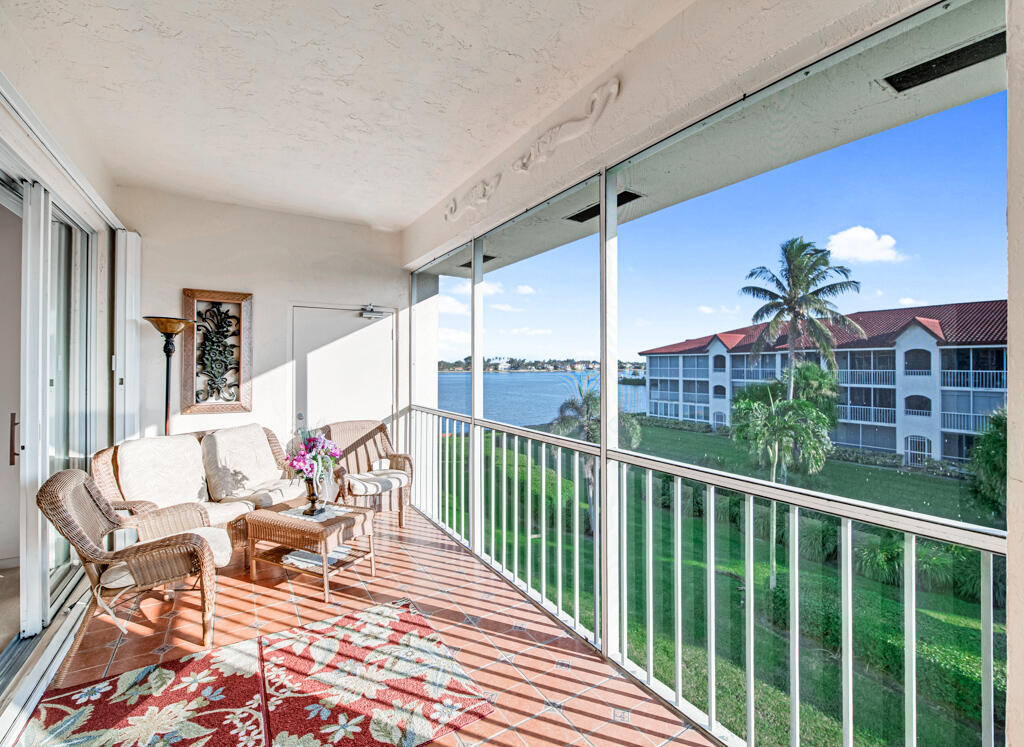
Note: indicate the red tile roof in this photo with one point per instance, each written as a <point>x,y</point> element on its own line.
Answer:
<point>975,323</point>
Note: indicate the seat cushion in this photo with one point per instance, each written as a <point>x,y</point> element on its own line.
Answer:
<point>222,514</point>
<point>166,470</point>
<point>237,460</point>
<point>118,576</point>
<point>377,481</point>
<point>277,491</point>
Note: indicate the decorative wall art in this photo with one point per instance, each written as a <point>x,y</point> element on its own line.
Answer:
<point>216,373</point>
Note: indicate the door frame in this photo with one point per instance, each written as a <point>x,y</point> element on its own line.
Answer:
<point>392,310</point>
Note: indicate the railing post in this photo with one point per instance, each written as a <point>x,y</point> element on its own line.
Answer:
<point>846,612</point>
<point>476,440</point>
<point>608,564</point>
<point>909,639</point>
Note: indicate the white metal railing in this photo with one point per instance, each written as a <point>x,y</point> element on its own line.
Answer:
<point>974,379</point>
<point>917,372</point>
<point>754,374</point>
<point>523,466</point>
<point>965,421</point>
<point>917,413</point>
<point>867,414</point>
<point>867,377</point>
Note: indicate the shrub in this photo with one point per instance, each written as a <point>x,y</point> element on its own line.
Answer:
<point>678,425</point>
<point>879,558</point>
<point>819,539</point>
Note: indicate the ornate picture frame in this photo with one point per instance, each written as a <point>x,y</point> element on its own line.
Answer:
<point>216,368</point>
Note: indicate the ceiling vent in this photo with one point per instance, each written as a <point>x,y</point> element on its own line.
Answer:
<point>625,197</point>
<point>958,59</point>
<point>468,265</point>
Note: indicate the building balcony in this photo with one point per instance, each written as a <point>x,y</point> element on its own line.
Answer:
<point>965,422</point>
<point>974,379</point>
<point>866,377</point>
<point>917,372</point>
<point>694,373</point>
<point>917,413</point>
<point>867,414</point>
<point>754,374</point>
<point>674,534</point>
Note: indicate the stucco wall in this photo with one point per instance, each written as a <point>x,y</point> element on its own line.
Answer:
<point>703,59</point>
<point>279,258</point>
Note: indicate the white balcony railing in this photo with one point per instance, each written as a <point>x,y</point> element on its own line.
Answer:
<point>694,373</point>
<point>754,374</point>
<point>867,414</point>
<point>917,413</point>
<point>917,372</point>
<point>974,379</point>
<point>531,505</point>
<point>965,421</point>
<point>867,377</point>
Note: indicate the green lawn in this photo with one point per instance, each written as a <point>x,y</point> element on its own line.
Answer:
<point>949,629</point>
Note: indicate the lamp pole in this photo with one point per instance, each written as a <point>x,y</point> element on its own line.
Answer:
<point>170,327</point>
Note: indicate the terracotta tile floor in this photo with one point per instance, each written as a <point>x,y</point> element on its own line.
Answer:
<point>547,686</point>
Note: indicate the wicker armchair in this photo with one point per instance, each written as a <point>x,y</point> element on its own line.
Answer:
<point>174,544</point>
<point>362,477</point>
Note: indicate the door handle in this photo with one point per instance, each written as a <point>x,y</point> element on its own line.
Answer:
<point>14,424</point>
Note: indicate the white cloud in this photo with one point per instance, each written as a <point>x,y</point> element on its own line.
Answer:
<point>529,331</point>
<point>860,244</point>
<point>525,290</point>
<point>879,292</point>
<point>464,288</point>
<point>734,310</point>
<point>449,337</point>
<point>705,309</point>
<point>908,301</point>
<point>448,305</point>
<point>642,322</point>
<point>506,307</point>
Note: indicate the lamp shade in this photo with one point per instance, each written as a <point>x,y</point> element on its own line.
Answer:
<point>168,325</point>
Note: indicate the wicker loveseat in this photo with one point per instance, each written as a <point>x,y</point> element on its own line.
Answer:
<point>371,473</point>
<point>228,472</point>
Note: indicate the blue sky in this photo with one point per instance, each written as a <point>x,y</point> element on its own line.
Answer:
<point>917,212</point>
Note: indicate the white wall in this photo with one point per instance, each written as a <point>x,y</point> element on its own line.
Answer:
<point>278,257</point>
<point>705,58</point>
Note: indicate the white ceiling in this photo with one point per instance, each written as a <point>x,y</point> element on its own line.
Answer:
<point>371,111</point>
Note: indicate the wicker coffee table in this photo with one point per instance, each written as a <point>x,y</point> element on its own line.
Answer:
<point>313,545</point>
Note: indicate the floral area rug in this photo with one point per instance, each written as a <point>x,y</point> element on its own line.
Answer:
<point>379,676</point>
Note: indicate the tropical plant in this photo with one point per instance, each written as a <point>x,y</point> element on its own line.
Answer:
<point>797,300</point>
<point>988,464</point>
<point>777,433</point>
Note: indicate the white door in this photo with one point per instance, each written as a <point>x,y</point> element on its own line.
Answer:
<point>344,366</point>
<point>10,388</point>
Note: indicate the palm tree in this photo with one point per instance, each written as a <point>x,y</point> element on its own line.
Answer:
<point>773,431</point>
<point>579,416</point>
<point>797,298</point>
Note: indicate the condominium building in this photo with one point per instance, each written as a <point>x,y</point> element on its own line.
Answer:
<point>922,380</point>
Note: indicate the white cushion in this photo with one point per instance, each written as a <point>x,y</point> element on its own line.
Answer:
<point>237,460</point>
<point>273,492</point>
<point>118,576</point>
<point>377,481</point>
<point>166,470</point>
<point>222,514</point>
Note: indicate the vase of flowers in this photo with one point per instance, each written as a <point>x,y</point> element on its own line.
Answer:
<point>314,459</point>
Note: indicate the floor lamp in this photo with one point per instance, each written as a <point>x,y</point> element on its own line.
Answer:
<point>170,327</point>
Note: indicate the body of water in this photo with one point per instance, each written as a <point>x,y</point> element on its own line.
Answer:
<point>526,397</point>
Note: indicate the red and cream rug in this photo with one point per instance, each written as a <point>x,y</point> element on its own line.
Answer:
<point>379,676</point>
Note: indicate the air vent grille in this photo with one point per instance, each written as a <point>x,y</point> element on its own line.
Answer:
<point>625,197</point>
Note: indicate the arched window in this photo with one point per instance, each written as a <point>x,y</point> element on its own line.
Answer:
<point>719,391</point>
<point>917,404</point>
<point>917,362</point>
<point>719,362</point>
<point>916,449</point>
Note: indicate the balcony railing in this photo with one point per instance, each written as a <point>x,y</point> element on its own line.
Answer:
<point>917,413</point>
<point>867,377</point>
<point>754,374</point>
<point>974,379</point>
<point>694,373</point>
<point>867,414</point>
<point>695,398</point>
<point>965,421</point>
<point>582,528</point>
<point>917,372</point>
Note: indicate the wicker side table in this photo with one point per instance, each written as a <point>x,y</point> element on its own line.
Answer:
<point>313,545</point>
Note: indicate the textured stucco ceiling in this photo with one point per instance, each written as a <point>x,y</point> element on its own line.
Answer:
<point>363,110</point>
